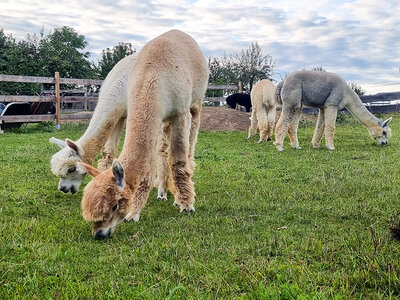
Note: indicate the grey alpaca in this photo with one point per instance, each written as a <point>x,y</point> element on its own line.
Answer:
<point>329,93</point>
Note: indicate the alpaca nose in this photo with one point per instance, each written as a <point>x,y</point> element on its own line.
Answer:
<point>64,189</point>
<point>384,143</point>
<point>101,233</point>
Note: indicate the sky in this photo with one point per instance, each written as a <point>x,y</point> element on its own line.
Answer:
<point>359,40</point>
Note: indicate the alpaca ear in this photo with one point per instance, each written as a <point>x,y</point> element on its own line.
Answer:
<point>118,172</point>
<point>59,143</point>
<point>74,147</point>
<point>90,169</point>
<point>386,122</point>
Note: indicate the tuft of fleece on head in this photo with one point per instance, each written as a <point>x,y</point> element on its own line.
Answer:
<point>63,160</point>
<point>100,195</point>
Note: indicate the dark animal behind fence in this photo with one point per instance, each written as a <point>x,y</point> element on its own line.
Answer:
<point>239,98</point>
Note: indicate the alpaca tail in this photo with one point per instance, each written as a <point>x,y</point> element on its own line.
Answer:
<point>278,92</point>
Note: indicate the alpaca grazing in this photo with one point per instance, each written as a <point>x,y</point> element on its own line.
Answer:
<point>103,131</point>
<point>239,98</point>
<point>166,90</point>
<point>263,100</point>
<point>329,93</point>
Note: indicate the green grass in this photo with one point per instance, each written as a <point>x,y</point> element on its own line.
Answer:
<point>337,207</point>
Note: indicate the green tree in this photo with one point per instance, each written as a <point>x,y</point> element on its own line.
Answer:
<point>62,51</point>
<point>248,66</point>
<point>252,65</point>
<point>357,88</point>
<point>110,57</point>
<point>19,59</point>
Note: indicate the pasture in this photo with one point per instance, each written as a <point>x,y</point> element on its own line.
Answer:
<point>300,224</point>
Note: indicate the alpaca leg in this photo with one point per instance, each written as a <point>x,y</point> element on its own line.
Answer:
<point>141,194</point>
<point>253,124</point>
<point>262,122</point>
<point>292,130</point>
<point>162,161</point>
<point>271,115</point>
<point>194,131</point>
<point>330,121</point>
<point>281,127</point>
<point>181,168</point>
<point>319,129</point>
<point>110,149</point>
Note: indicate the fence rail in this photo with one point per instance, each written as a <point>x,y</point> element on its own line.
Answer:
<point>374,102</point>
<point>72,96</point>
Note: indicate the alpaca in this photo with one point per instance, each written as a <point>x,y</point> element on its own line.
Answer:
<point>166,90</point>
<point>263,100</point>
<point>329,93</point>
<point>239,98</point>
<point>104,130</point>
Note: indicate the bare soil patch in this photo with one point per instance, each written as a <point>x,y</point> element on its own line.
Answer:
<point>228,119</point>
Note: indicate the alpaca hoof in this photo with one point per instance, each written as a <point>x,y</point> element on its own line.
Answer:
<point>162,198</point>
<point>330,148</point>
<point>187,210</point>
<point>260,141</point>
<point>279,148</point>
<point>131,217</point>
<point>297,147</point>
<point>249,136</point>
<point>315,146</point>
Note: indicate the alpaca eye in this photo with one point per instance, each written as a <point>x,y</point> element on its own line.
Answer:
<point>115,207</point>
<point>70,170</point>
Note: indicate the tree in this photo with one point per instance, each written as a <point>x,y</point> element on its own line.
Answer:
<point>357,88</point>
<point>110,57</point>
<point>19,59</point>
<point>248,66</point>
<point>62,51</point>
<point>253,66</point>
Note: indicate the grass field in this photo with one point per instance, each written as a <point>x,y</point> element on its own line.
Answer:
<point>301,224</point>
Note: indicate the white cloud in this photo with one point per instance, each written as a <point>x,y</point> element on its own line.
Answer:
<point>357,39</point>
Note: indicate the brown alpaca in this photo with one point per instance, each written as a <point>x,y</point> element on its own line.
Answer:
<point>166,90</point>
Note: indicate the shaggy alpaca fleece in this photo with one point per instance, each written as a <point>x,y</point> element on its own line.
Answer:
<point>329,93</point>
<point>263,99</point>
<point>166,89</point>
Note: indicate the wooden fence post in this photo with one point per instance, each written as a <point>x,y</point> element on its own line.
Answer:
<point>240,88</point>
<point>58,98</point>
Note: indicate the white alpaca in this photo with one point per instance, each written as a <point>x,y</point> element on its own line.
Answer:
<point>263,100</point>
<point>166,89</point>
<point>103,131</point>
<point>329,93</point>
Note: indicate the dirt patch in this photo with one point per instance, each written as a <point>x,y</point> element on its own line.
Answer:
<point>228,119</point>
<point>223,119</point>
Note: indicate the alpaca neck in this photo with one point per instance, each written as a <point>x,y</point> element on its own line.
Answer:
<point>92,141</point>
<point>138,155</point>
<point>359,111</point>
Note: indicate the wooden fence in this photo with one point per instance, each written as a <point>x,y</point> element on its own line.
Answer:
<point>379,103</point>
<point>60,97</point>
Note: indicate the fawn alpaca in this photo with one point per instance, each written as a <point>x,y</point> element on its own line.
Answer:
<point>165,92</point>
<point>329,93</point>
<point>263,99</point>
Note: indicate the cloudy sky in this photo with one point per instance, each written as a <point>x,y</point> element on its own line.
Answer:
<point>360,39</point>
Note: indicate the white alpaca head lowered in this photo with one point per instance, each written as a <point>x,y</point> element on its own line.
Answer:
<point>382,132</point>
<point>65,164</point>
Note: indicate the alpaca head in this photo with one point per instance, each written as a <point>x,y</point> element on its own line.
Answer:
<point>382,132</point>
<point>65,164</point>
<point>105,199</point>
